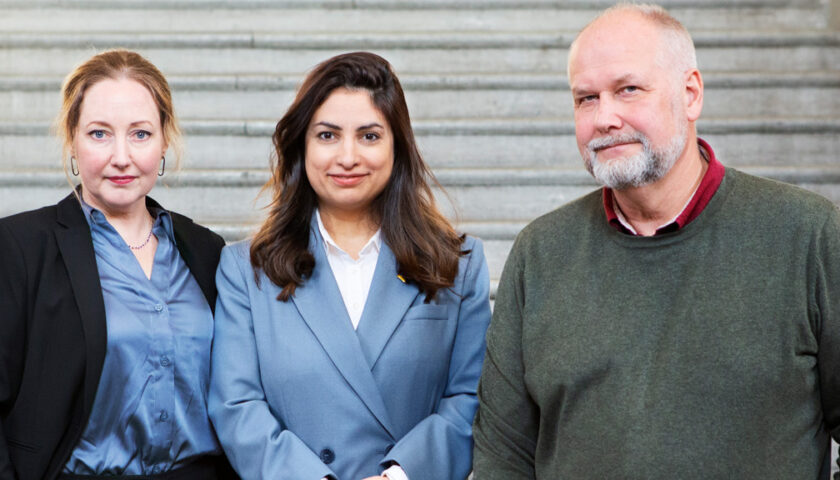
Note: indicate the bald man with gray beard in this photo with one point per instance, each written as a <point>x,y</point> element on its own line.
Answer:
<point>681,322</point>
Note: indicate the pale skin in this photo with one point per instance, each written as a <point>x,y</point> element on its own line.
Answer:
<point>619,86</point>
<point>118,146</point>
<point>349,159</point>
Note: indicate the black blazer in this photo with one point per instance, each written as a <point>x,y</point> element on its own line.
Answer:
<point>52,330</point>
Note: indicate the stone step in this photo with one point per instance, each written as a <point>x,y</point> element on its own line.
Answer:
<point>385,5</point>
<point>487,195</point>
<point>309,17</point>
<point>511,143</point>
<point>496,236</point>
<point>461,52</point>
<point>248,97</point>
<point>555,80</point>
<point>213,195</point>
<point>493,205</point>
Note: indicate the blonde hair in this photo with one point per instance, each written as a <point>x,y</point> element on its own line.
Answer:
<point>678,49</point>
<point>116,64</point>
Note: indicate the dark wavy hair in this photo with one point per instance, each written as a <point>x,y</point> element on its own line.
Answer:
<point>424,243</point>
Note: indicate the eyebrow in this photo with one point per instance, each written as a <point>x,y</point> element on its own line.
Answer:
<point>328,125</point>
<point>369,126</point>
<point>362,127</point>
<point>576,92</point>
<point>626,78</point>
<point>106,124</point>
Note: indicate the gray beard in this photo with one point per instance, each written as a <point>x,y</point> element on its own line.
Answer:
<point>643,168</point>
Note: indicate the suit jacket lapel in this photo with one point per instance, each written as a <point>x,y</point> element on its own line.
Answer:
<point>200,256</point>
<point>76,246</point>
<point>320,304</point>
<point>387,302</point>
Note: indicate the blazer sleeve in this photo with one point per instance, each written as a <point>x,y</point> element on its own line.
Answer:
<point>12,334</point>
<point>255,442</point>
<point>440,446</point>
<point>507,421</point>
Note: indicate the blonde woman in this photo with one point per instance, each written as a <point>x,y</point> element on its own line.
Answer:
<point>107,300</point>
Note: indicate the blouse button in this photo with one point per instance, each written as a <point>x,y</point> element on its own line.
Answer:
<point>164,361</point>
<point>164,416</point>
<point>327,456</point>
<point>158,307</point>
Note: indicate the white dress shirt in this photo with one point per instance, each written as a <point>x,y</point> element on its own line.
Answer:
<point>354,278</point>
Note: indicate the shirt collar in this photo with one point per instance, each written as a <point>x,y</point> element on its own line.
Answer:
<point>373,244</point>
<point>160,218</point>
<point>692,209</point>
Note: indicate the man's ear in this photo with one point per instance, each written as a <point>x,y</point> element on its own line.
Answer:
<point>693,94</point>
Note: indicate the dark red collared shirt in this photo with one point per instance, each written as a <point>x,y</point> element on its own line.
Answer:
<point>705,191</point>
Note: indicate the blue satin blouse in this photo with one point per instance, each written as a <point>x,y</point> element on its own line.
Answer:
<point>150,411</point>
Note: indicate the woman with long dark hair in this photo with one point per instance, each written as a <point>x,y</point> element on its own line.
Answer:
<point>350,329</point>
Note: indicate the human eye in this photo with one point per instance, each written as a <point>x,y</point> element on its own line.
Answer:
<point>326,135</point>
<point>142,135</point>
<point>97,134</point>
<point>629,89</point>
<point>586,99</point>
<point>370,136</point>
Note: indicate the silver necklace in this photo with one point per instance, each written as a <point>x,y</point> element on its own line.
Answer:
<point>146,242</point>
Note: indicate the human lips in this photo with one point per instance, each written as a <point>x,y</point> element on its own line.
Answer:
<point>603,143</point>
<point>122,179</point>
<point>347,179</point>
<point>614,145</point>
<point>618,149</point>
<point>617,144</point>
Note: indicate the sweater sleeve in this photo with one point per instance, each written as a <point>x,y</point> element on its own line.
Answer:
<point>507,422</point>
<point>827,299</point>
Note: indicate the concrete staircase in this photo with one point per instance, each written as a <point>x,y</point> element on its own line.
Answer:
<point>485,79</point>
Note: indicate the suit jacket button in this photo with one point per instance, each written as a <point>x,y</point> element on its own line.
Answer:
<point>327,456</point>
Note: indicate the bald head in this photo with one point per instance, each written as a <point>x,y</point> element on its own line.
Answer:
<point>674,47</point>
<point>637,95</point>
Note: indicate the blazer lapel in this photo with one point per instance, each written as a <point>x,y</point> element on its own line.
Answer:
<point>76,246</point>
<point>320,304</point>
<point>387,302</point>
<point>201,257</point>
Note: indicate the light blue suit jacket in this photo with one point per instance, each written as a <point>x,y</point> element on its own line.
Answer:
<point>297,394</point>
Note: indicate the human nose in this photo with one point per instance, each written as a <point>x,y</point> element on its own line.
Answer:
<point>348,157</point>
<point>121,155</point>
<point>607,114</point>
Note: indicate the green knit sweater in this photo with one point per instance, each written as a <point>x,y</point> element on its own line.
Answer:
<point>711,352</point>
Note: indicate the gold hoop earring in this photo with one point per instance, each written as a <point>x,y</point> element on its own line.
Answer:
<point>162,165</point>
<point>73,168</point>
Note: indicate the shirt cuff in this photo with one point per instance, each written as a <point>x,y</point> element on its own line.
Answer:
<point>395,472</point>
